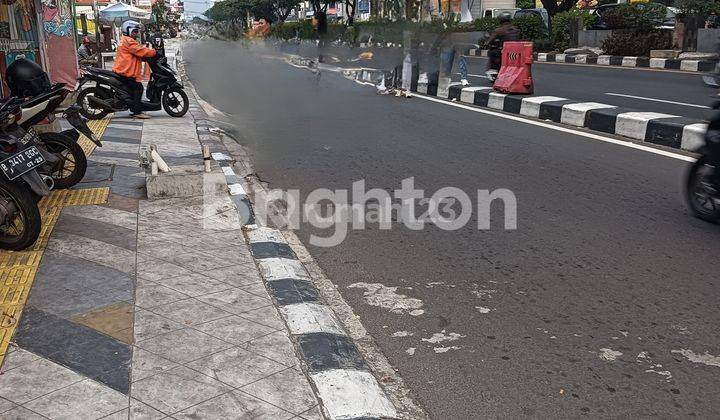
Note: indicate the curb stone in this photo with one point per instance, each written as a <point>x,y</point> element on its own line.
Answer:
<point>660,129</point>
<point>618,61</point>
<point>341,377</point>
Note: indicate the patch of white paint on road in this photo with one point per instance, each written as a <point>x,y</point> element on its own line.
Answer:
<point>705,359</point>
<point>441,336</point>
<point>403,334</point>
<point>609,354</point>
<point>410,351</point>
<point>445,349</point>
<point>483,310</point>
<point>386,297</point>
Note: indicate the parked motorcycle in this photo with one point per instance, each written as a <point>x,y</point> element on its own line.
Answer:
<point>702,185</point>
<point>494,60</point>
<point>26,79</point>
<point>20,181</point>
<point>110,94</point>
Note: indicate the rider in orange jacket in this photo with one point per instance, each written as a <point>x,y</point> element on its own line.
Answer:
<point>128,65</point>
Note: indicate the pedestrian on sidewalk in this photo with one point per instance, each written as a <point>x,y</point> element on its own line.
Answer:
<point>712,20</point>
<point>128,65</point>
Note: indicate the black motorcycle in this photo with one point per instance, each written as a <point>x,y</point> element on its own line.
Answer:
<point>41,102</point>
<point>110,94</point>
<point>702,186</point>
<point>21,184</point>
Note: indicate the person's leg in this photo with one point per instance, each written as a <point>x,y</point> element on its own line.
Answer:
<point>136,105</point>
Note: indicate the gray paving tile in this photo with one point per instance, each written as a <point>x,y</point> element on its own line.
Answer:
<point>149,324</point>
<point>19,357</point>
<point>236,367</point>
<point>236,275</point>
<point>6,405</point>
<point>35,379</point>
<point>147,364</point>
<point>93,250</point>
<point>125,219</point>
<point>75,346</point>
<point>97,230</point>
<point>235,301</point>
<point>198,262</point>
<point>190,311</point>
<point>276,346</point>
<point>153,269</point>
<point>194,284</point>
<point>176,389</point>
<point>149,294</point>
<point>267,315</point>
<point>234,329</point>
<point>313,414</point>
<point>140,411</point>
<point>257,289</point>
<point>289,389</point>
<point>118,415</point>
<point>234,405</point>
<point>85,399</point>
<point>183,345</point>
<point>21,413</point>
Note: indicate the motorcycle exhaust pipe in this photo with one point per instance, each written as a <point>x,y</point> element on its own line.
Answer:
<point>99,103</point>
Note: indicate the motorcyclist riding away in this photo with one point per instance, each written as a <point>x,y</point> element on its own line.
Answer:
<point>128,65</point>
<point>505,32</point>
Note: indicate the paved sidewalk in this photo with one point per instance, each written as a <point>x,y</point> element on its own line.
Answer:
<point>151,309</point>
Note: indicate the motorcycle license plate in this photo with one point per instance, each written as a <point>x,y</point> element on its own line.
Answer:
<point>22,162</point>
<point>29,137</point>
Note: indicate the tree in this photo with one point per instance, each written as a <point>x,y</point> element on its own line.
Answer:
<point>159,9</point>
<point>525,4</point>
<point>350,6</point>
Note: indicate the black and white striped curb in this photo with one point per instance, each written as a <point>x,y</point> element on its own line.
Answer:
<point>652,127</point>
<point>619,61</point>
<point>341,377</point>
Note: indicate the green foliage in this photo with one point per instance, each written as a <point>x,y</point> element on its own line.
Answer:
<point>531,27</point>
<point>635,43</point>
<point>289,30</point>
<point>701,7</point>
<point>525,4</point>
<point>486,24</point>
<point>562,26</point>
<point>640,17</point>
<point>273,10</point>
<point>543,45</point>
<point>159,9</point>
<point>228,10</point>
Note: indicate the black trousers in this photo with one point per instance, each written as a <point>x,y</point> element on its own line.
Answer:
<point>136,91</point>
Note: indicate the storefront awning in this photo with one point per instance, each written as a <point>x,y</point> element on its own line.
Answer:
<point>122,11</point>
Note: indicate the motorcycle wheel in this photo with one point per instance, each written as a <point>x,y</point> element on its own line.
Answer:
<point>702,197</point>
<point>73,163</point>
<point>175,102</point>
<point>86,110</point>
<point>21,225</point>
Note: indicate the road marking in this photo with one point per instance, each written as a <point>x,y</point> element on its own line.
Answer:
<point>563,129</point>
<point>307,318</point>
<point>657,100</point>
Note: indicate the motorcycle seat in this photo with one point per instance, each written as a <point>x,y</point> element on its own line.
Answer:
<point>101,71</point>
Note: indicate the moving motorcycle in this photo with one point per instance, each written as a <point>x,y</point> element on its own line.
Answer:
<point>21,158</point>
<point>702,185</point>
<point>42,100</point>
<point>110,94</point>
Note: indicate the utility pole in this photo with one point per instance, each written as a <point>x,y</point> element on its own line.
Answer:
<point>98,54</point>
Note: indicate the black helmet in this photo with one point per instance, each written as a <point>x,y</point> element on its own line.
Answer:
<point>26,78</point>
<point>505,17</point>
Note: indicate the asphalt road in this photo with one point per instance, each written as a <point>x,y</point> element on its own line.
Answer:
<point>603,84</point>
<point>602,303</point>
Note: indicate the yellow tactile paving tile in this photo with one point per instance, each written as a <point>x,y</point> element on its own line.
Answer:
<point>18,268</point>
<point>98,127</point>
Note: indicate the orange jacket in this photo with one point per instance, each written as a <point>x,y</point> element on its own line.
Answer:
<point>128,58</point>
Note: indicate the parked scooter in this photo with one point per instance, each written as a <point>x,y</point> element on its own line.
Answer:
<point>110,94</point>
<point>20,181</point>
<point>702,186</point>
<point>26,79</point>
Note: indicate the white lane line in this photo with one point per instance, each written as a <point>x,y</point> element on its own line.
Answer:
<point>564,130</point>
<point>657,100</point>
<point>308,318</point>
